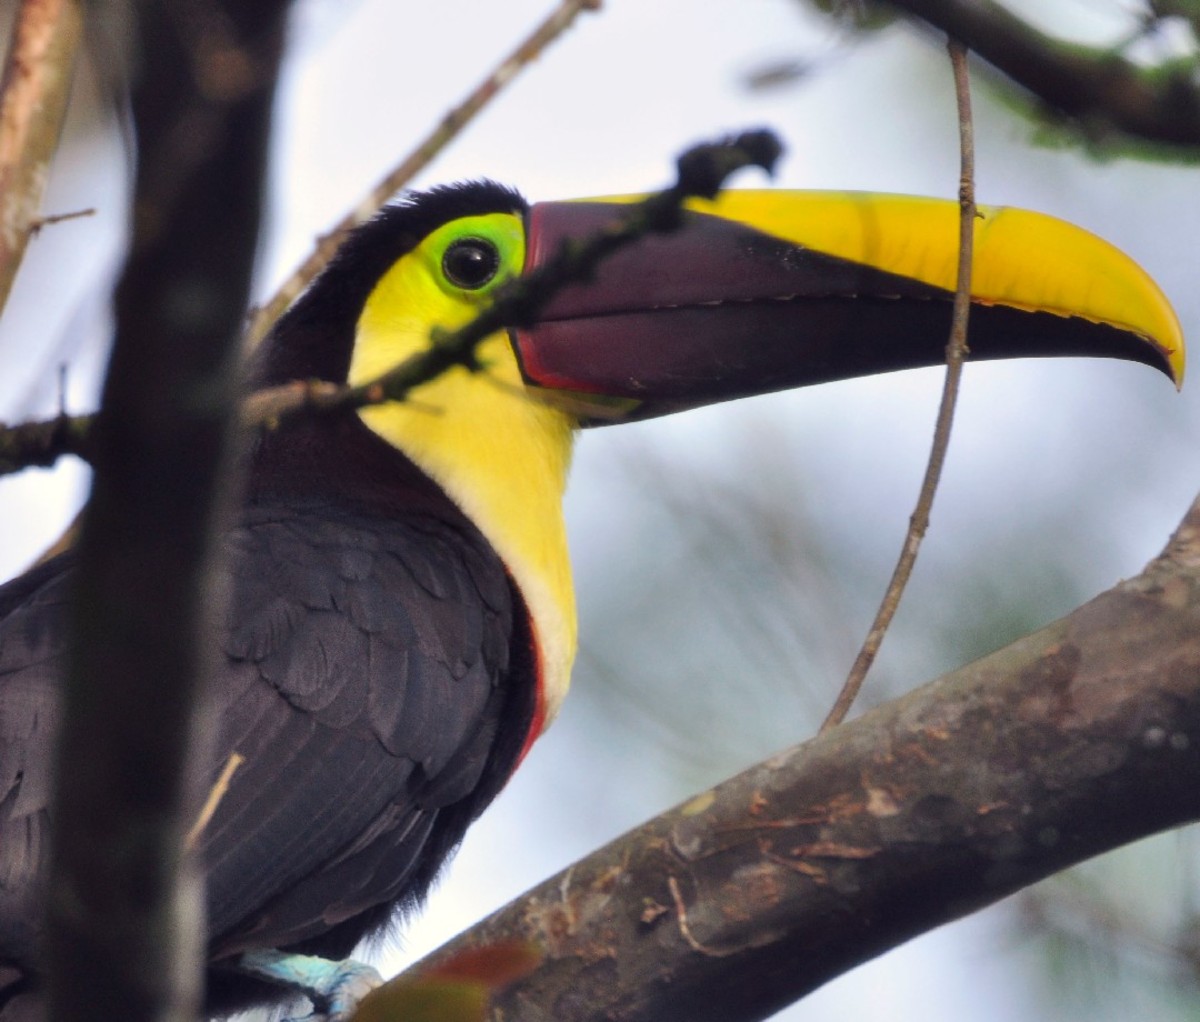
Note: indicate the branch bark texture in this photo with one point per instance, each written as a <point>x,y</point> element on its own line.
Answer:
<point>1074,740</point>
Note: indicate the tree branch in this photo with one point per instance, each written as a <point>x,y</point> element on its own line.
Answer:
<point>124,912</point>
<point>702,169</point>
<point>33,105</point>
<point>40,444</point>
<point>1074,740</point>
<point>1096,87</point>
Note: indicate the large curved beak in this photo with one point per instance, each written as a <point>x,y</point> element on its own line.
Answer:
<point>761,291</point>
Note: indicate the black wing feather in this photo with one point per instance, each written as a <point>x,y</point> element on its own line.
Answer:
<point>32,653</point>
<point>369,685</point>
<point>392,645</point>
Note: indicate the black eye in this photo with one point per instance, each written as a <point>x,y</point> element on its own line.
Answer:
<point>470,263</point>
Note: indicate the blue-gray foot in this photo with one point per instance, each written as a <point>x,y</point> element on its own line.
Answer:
<point>335,988</point>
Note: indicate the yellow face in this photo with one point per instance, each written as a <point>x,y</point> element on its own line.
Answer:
<point>443,282</point>
<point>497,451</point>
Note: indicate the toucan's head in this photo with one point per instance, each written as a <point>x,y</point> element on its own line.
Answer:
<point>758,291</point>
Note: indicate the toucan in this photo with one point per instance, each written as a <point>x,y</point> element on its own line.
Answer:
<point>402,619</point>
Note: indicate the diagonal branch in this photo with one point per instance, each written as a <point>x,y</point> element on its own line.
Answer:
<point>1097,87</point>
<point>702,172</point>
<point>446,130</point>
<point>1073,740</point>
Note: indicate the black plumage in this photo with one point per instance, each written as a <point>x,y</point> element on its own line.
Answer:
<point>378,669</point>
<point>378,674</point>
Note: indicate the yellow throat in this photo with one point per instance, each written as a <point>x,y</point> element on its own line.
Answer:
<point>499,453</point>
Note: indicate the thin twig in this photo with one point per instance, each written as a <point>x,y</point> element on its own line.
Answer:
<point>445,132</point>
<point>35,227</point>
<point>685,929</point>
<point>215,794</point>
<point>33,103</point>
<point>956,352</point>
<point>702,171</point>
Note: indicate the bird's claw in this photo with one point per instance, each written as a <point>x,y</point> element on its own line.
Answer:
<point>335,988</point>
<point>353,982</point>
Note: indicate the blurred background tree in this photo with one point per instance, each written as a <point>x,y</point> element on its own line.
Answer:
<point>728,561</point>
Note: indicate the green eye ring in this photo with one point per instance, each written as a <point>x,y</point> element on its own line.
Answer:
<point>468,258</point>
<point>471,263</point>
